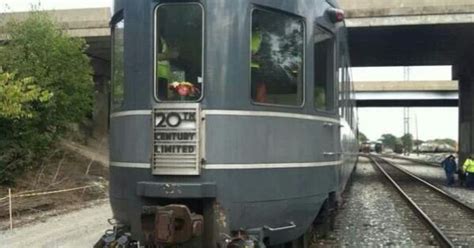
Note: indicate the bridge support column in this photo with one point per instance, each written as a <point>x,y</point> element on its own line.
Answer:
<point>101,104</point>
<point>464,73</point>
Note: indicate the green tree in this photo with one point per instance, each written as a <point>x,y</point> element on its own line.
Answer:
<point>398,147</point>
<point>418,142</point>
<point>37,48</point>
<point>389,140</point>
<point>57,86</point>
<point>362,138</point>
<point>407,142</point>
<point>17,96</point>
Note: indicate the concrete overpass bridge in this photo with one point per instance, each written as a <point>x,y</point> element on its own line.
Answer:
<point>91,24</point>
<point>407,32</point>
<point>381,33</point>
<point>407,94</point>
<point>422,32</point>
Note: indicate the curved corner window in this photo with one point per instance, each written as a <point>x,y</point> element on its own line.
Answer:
<point>324,71</point>
<point>118,79</point>
<point>276,65</point>
<point>179,52</point>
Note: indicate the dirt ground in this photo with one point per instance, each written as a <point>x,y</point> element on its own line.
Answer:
<point>76,229</point>
<point>69,219</point>
<point>62,170</point>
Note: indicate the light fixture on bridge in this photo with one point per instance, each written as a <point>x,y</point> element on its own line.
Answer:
<point>336,15</point>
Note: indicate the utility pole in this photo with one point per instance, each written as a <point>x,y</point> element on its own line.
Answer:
<point>406,73</point>
<point>417,139</point>
<point>406,124</point>
<point>406,120</point>
<point>406,110</point>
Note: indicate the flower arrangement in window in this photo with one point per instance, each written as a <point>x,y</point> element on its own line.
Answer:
<point>184,89</point>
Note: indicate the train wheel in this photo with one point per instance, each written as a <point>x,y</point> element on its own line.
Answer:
<point>301,242</point>
<point>324,222</point>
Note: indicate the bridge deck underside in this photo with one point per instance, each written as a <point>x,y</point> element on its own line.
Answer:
<point>410,45</point>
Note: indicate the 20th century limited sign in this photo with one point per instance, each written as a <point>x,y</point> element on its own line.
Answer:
<point>176,140</point>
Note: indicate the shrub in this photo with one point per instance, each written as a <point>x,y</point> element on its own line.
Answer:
<point>54,89</point>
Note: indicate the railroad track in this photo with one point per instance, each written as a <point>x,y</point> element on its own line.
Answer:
<point>450,220</point>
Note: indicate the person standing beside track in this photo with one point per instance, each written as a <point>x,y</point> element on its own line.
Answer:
<point>449,166</point>
<point>468,168</point>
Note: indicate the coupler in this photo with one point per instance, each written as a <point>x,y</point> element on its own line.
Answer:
<point>171,224</point>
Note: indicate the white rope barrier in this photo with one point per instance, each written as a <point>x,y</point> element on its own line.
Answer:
<point>21,195</point>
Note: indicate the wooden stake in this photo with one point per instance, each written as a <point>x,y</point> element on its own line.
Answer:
<point>10,208</point>
<point>89,166</point>
<point>59,168</point>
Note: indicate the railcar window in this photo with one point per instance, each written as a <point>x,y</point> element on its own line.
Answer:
<point>342,79</point>
<point>347,92</point>
<point>118,79</point>
<point>324,71</point>
<point>342,87</point>
<point>179,39</point>
<point>277,41</point>
<point>344,94</point>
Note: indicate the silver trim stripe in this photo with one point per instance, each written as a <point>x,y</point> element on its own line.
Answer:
<point>239,166</point>
<point>131,113</point>
<point>130,165</point>
<point>238,113</point>
<point>269,166</point>
<point>269,114</point>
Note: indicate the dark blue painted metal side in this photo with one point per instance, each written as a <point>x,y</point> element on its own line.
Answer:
<point>246,198</point>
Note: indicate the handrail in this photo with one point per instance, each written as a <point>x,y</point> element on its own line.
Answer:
<point>276,229</point>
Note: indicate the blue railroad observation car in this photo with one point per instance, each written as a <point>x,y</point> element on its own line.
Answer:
<point>232,121</point>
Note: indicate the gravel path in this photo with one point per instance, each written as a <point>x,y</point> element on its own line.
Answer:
<point>374,215</point>
<point>77,229</point>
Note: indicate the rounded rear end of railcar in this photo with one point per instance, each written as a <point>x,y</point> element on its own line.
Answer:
<point>227,124</point>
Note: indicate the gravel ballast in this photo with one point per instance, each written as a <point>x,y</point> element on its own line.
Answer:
<point>373,214</point>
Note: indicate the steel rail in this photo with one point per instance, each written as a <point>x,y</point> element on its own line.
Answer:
<point>440,236</point>
<point>431,186</point>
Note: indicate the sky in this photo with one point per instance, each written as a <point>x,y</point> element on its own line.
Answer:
<point>24,5</point>
<point>426,123</point>
<point>432,122</point>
